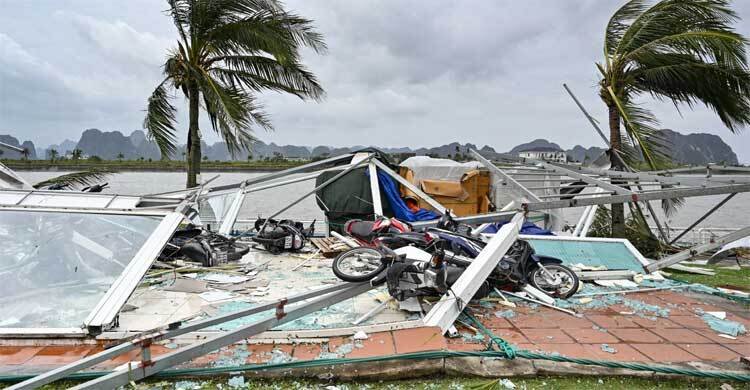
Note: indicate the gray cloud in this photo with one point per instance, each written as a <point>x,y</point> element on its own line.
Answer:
<point>397,73</point>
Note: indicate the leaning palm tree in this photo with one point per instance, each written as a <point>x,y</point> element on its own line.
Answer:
<point>682,51</point>
<point>52,154</point>
<point>227,51</point>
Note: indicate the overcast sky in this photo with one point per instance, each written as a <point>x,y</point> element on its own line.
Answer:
<point>398,73</point>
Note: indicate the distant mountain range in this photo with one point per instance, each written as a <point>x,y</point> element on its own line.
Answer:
<point>696,149</point>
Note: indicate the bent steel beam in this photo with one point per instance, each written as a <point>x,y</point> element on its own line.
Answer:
<point>285,172</point>
<point>123,377</point>
<point>322,185</point>
<point>637,197</point>
<point>698,249</point>
<point>508,179</point>
<point>432,202</point>
<point>165,334</point>
<point>447,310</point>
<point>699,220</point>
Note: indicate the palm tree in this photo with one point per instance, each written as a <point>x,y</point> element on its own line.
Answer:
<point>25,153</point>
<point>227,51</point>
<point>683,51</point>
<point>52,154</point>
<point>76,154</point>
<point>120,156</point>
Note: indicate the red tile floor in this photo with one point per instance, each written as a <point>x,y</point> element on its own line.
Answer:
<point>681,337</point>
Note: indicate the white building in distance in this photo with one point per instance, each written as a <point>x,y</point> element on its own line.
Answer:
<point>545,154</point>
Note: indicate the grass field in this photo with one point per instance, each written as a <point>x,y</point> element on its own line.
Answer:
<point>724,277</point>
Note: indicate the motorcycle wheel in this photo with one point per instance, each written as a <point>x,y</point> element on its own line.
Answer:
<point>564,284</point>
<point>358,264</point>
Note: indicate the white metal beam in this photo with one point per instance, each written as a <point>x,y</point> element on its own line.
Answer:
<point>200,348</point>
<point>587,179</point>
<point>698,249</point>
<point>447,310</point>
<point>228,219</point>
<point>108,307</point>
<point>639,196</point>
<point>432,202</point>
<point>285,172</point>
<point>530,196</point>
<point>377,204</point>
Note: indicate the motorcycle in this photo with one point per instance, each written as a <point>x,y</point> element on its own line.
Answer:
<point>285,235</point>
<point>520,266</point>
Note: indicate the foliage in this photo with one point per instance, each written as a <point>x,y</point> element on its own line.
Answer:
<point>636,231</point>
<point>76,154</point>
<point>682,51</point>
<point>76,179</point>
<point>227,51</point>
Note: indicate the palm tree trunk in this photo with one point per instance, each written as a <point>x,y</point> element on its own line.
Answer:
<point>618,209</point>
<point>194,140</point>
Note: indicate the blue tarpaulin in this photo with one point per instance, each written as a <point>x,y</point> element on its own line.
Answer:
<point>398,206</point>
<point>528,228</point>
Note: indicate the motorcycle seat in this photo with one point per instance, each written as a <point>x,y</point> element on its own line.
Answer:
<point>361,229</point>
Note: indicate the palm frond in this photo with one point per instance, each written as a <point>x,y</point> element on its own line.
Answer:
<point>640,128</point>
<point>70,180</point>
<point>160,120</point>
<point>685,79</point>
<point>262,73</point>
<point>296,30</point>
<point>180,12</point>
<point>670,206</point>
<point>232,112</point>
<point>672,17</point>
<point>620,22</point>
<point>684,51</point>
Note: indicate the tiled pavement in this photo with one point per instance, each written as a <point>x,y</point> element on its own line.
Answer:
<point>680,337</point>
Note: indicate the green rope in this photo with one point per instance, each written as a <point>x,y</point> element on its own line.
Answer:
<point>526,354</point>
<point>507,348</point>
<point>408,356</point>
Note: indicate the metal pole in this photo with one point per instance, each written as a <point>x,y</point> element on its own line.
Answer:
<point>709,212</point>
<point>123,377</point>
<point>447,310</point>
<point>638,197</point>
<point>285,172</point>
<point>662,232</point>
<point>508,178</point>
<point>691,252</point>
<point>11,147</point>
<point>435,204</point>
<point>158,334</point>
<point>589,117</point>
<point>314,190</point>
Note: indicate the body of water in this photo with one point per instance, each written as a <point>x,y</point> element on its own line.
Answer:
<point>734,214</point>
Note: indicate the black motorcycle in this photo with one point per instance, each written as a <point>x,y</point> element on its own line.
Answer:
<point>455,251</point>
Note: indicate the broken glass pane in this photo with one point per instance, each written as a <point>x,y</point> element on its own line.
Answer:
<point>56,266</point>
<point>214,208</point>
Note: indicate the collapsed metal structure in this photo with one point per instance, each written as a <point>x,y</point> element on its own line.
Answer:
<point>564,186</point>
